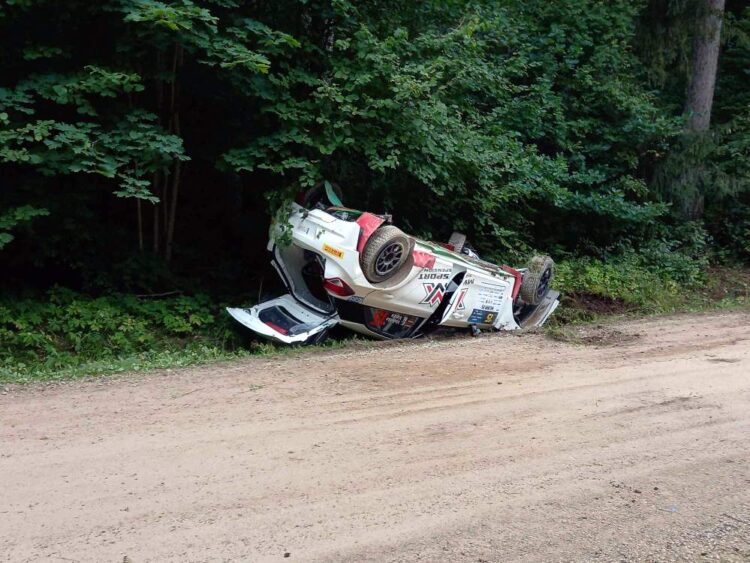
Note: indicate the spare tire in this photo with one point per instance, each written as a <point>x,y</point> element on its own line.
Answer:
<point>537,279</point>
<point>384,254</point>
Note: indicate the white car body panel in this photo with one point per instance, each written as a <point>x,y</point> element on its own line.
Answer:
<point>482,300</point>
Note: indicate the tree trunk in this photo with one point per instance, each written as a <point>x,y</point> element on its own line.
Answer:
<point>155,191</point>
<point>171,192</point>
<point>174,194</point>
<point>700,95</point>
<point>140,225</point>
<point>156,182</point>
<point>173,210</point>
<point>699,102</point>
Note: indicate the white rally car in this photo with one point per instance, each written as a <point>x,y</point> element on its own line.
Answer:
<point>352,268</point>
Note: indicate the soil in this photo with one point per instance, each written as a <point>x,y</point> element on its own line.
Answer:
<point>728,283</point>
<point>497,448</point>
<point>597,304</point>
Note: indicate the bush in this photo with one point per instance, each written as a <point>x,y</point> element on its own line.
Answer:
<point>67,329</point>
<point>663,277</point>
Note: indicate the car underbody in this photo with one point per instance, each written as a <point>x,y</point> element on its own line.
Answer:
<point>354,269</point>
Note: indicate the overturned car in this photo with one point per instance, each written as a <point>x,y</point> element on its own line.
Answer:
<point>356,269</point>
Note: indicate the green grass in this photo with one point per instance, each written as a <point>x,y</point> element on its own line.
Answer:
<point>189,355</point>
<point>632,287</point>
<point>179,354</point>
<point>63,335</point>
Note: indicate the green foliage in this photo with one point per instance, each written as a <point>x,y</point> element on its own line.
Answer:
<point>703,175</point>
<point>74,89</point>
<point>68,329</point>
<point>529,123</point>
<point>126,150</point>
<point>70,335</point>
<point>14,217</point>
<point>490,120</point>
<point>634,285</point>
<point>671,272</point>
<point>630,279</point>
<point>113,139</point>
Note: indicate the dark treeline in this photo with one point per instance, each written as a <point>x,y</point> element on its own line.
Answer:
<point>145,145</point>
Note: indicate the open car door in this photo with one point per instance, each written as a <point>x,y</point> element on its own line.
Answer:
<point>286,320</point>
<point>304,315</point>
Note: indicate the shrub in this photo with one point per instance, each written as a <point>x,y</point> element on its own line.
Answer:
<point>68,328</point>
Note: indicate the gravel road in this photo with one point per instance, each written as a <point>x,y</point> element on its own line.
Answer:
<point>631,443</point>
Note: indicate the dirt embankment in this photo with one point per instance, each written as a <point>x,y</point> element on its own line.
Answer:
<point>633,443</point>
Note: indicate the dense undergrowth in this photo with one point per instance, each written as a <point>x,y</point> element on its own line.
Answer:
<point>65,334</point>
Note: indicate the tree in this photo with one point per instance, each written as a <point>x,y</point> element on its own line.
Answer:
<point>705,60</point>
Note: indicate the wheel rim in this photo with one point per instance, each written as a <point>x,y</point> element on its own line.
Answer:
<point>389,259</point>
<point>544,283</point>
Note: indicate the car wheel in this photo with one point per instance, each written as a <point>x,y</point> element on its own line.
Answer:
<point>537,280</point>
<point>385,253</point>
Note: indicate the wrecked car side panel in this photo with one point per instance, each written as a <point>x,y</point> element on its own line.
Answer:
<point>482,300</point>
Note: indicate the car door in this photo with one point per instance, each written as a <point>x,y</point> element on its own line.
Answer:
<point>286,320</point>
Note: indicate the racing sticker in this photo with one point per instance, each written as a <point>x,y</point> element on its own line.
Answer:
<point>333,251</point>
<point>460,305</point>
<point>490,297</point>
<point>482,316</point>
<point>390,323</point>
<point>434,293</point>
<point>435,274</point>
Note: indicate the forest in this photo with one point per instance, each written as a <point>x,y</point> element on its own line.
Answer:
<point>146,145</point>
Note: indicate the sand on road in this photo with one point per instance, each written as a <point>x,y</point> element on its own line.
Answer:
<point>632,443</point>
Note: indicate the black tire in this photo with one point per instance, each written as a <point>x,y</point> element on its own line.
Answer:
<point>537,280</point>
<point>457,241</point>
<point>385,253</point>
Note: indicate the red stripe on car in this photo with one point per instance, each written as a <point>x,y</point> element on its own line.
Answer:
<point>368,223</point>
<point>518,279</point>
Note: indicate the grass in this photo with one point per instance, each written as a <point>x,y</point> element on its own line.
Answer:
<point>185,355</point>
<point>91,337</point>
<point>717,289</point>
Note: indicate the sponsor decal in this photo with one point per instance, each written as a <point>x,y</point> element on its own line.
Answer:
<point>482,316</point>
<point>390,323</point>
<point>490,297</point>
<point>356,299</point>
<point>333,251</point>
<point>434,293</point>
<point>379,317</point>
<point>397,319</point>
<point>460,305</point>
<point>437,274</point>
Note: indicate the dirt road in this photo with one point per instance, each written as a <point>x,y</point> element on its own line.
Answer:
<point>633,444</point>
